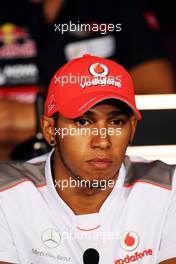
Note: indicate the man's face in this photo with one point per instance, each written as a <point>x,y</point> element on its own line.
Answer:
<point>94,155</point>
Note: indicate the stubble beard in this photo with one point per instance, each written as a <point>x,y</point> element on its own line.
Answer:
<point>74,175</point>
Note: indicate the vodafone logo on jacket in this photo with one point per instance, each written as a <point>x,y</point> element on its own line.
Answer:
<point>129,240</point>
<point>134,257</point>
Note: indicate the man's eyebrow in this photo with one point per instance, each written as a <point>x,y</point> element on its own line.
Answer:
<point>116,113</point>
<point>91,113</point>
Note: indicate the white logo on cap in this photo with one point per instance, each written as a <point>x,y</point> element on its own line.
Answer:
<point>98,69</point>
<point>52,103</point>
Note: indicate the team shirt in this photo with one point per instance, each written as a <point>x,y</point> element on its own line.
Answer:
<point>135,224</point>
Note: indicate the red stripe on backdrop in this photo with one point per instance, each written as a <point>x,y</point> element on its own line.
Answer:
<point>5,91</point>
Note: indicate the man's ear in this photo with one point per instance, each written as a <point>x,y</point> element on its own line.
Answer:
<point>133,121</point>
<point>48,129</point>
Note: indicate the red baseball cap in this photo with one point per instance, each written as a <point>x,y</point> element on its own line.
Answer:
<point>83,82</point>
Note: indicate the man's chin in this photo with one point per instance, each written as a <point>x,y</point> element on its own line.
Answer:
<point>99,178</point>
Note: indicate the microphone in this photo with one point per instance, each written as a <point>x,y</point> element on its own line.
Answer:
<point>91,256</point>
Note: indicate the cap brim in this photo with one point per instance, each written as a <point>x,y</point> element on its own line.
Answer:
<point>80,105</point>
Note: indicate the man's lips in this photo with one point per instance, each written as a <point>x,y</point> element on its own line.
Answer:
<point>100,163</point>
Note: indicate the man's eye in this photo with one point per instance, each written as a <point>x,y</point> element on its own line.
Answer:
<point>118,122</point>
<point>82,121</point>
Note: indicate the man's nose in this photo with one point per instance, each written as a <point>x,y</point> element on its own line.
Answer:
<point>100,139</point>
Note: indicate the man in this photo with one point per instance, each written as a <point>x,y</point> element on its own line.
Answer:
<point>26,44</point>
<point>86,202</point>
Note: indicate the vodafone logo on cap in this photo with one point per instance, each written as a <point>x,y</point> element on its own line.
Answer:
<point>129,240</point>
<point>98,69</point>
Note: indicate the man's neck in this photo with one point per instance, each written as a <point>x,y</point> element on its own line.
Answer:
<point>83,200</point>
